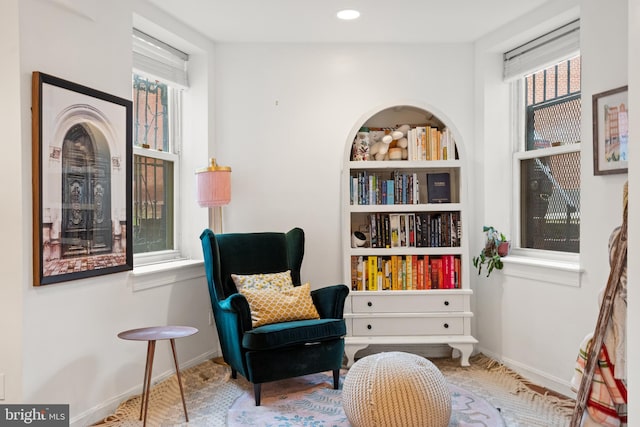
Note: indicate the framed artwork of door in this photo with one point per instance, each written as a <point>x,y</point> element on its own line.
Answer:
<point>82,169</point>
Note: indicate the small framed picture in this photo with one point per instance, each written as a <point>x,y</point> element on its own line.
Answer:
<point>611,131</point>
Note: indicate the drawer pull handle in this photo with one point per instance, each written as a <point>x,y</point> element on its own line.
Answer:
<point>369,303</point>
<point>446,303</point>
<point>446,326</point>
<point>368,326</point>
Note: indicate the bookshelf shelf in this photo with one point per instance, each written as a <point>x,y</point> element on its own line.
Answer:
<point>423,207</point>
<point>403,164</point>
<point>409,280</point>
<point>381,252</point>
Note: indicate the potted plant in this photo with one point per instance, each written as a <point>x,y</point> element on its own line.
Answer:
<point>496,246</point>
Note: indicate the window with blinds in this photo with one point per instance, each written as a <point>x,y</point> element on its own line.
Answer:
<point>548,155</point>
<point>159,76</point>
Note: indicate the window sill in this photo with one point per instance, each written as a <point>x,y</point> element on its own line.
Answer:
<point>165,273</point>
<point>567,273</point>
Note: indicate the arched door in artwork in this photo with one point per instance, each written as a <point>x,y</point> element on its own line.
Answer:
<point>86,194</point>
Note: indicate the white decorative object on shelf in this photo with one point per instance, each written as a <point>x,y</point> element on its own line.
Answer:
<point>358,239</point>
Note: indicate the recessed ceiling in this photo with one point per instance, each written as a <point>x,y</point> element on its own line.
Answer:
<point>314,21</point>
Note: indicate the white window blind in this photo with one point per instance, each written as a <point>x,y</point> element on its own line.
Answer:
<point>157,59</point>
<point>561,43</point>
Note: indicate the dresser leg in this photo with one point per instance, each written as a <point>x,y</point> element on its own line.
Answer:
<point>465,350</point>
<point>350,351</point>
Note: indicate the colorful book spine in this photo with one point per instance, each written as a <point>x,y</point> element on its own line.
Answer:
<point>409,266</point>
<point>390,192</point>
<point>427,273</point>
<point>436,273</point>
<point>394,272</point>
<point>373,272</point>
<point>414,272</point>
<point>403,274</point>
<point>448,272</point>
<point>354,273</point>
<point>365,273</point>
<point>387,275</point>
<point>380,274</point>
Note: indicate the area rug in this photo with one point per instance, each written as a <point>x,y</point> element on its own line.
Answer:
<point>520,404</point>
<point>214,399</point>
<point>312,401</point>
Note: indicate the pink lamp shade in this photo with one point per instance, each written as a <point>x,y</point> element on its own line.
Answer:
<point>213,185</point>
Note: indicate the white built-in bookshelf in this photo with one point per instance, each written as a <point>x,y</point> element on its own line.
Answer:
<point>404,236</point>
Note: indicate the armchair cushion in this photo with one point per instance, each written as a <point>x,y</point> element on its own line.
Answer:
<point>277,335</point>
<point>273,306</point>
<point>277,281</point>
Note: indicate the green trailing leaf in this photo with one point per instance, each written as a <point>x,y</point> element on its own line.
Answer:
<point>489,254</point>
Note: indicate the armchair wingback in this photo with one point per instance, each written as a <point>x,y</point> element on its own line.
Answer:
<point>273,351</point>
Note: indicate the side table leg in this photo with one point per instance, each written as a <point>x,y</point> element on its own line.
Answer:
<point>175,359</point>
<point>151,347</point>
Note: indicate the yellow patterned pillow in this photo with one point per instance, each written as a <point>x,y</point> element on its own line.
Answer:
<point>272,306</point>
<point>276,281</point>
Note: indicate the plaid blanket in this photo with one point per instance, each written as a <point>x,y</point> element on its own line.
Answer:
<point>607,403</point>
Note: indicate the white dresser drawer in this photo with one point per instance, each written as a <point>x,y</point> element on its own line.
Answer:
<point>398,302</point>
<point>409,326</point>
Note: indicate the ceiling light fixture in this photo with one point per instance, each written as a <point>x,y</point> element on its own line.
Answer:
<point>348,14</point>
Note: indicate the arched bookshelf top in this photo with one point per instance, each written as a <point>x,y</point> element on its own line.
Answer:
<point>421,120</point>
<point>403,114</point>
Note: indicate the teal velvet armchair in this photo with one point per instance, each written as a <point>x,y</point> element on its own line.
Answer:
<point>273,351</point>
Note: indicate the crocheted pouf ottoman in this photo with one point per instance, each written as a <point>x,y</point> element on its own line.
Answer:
<point>396,389</point>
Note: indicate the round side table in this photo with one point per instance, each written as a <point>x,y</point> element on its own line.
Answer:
<point>151,335</point>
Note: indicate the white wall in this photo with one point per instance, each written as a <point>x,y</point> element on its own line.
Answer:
<point>15,257</point>
<point>59,341</point>
<point>285,112</point>
<point>633,314</point>
<point>536,326</point>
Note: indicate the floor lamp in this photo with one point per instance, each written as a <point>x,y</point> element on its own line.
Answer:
<point>214,191</point>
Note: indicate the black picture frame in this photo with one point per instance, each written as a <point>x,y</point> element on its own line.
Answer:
<point>610,131</point>
<point>82,171</point>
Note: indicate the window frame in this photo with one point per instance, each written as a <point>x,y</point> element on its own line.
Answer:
<point>176,111</point>
<point>528,263</point>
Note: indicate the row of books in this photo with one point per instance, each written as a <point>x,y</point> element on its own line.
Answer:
<point>429,143</point>
<point>398,188</point>
<point>421,229</point>
<point>405,272</point>
<point>423,143</point>
<point>375,189</point>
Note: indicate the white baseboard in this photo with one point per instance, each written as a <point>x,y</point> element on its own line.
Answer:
<point>536,376</point>
<point>106,408</point>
